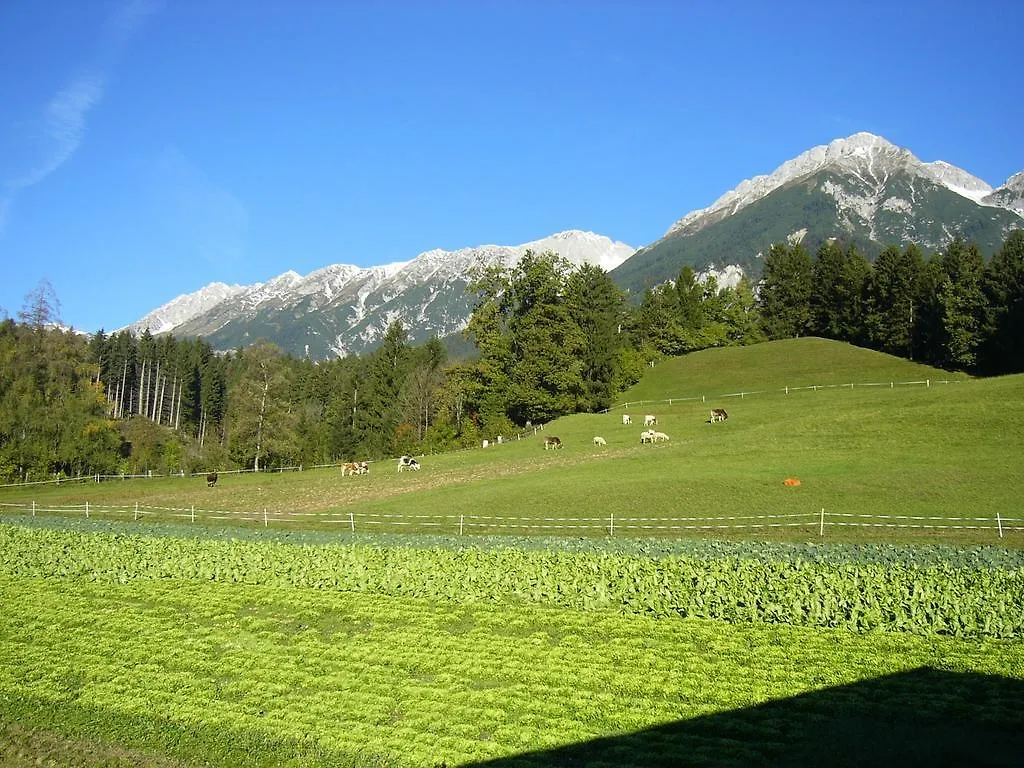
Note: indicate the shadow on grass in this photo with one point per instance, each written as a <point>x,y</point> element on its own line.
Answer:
<point>924,717</point>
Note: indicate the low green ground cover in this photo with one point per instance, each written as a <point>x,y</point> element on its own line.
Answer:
<point>235,674</point>
<point>936,598</point>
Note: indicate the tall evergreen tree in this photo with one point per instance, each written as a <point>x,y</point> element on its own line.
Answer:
<point>487,381</point>
<point>784,295</point>
<point>597,306</point>
<point>891,300</point>
<point>1002,349</point>
<point>547,345</point>
<point>381,409</point>
<point>655,325</point>
<point>963,304</point>
<point>837,293</point>
<point>928,339</point>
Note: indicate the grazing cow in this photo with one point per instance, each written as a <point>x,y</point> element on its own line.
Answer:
<point>552,442</point>
<point>211,480</point>
<point>659,436</point>
<point>408,462</point>
<point>626,419</point>
<point>718,414</point>
<point>600,441</point>
<point>647,436</point>
<point>650,421</point>
<point>355,468</point>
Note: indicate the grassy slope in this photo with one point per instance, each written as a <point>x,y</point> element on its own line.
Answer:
<point>948,451</point>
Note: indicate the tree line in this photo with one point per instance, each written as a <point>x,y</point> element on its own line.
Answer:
<point>550,339</point>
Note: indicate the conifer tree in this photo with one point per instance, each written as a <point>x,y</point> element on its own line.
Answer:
<point>1002,349</point>
<point>597,306</point>
<point>963,304</point>
<point>784,295</point>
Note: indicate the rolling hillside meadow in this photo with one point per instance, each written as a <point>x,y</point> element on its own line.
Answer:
<point>622,605</point>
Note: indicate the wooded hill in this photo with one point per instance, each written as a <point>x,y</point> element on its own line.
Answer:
<point>550,340</point>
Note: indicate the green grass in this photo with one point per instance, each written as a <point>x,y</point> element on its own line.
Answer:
<point>773,366</point>
<point>950,452</point>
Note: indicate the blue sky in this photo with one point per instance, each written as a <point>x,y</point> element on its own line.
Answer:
<point>150,147</point>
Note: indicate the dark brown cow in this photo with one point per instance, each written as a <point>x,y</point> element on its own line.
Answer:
<point>718,414</point>
<point>552,442</point>
<point>211,480</point>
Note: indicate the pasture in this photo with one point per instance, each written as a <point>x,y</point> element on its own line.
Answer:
<point>535,626</point>
<point>880,461</point>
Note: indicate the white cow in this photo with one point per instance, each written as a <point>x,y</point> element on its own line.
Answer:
<point>659,436</point>
<point>600,441</point>
<point>626,419</point>
<point>650,421</point>
<point>647,436</point>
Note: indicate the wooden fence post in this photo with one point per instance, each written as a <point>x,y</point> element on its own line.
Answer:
<point>999,522</point>
<point>460,524</point>
<point>611,524</point>
<point>352,521</point>
<point>87,510</point>
<point>821,527</point>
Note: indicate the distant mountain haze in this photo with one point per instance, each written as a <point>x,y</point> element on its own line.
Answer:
<point>861,189</point>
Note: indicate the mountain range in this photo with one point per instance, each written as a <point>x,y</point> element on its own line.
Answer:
<point>861,189</point>
<point>344,309</point>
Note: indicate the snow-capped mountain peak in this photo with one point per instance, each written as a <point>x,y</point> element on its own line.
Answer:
<point>180,310</point>
<point>865,155</point>
<point>959,181</point>
<point>350,307</point>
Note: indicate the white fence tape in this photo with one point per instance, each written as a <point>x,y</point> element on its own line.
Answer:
<point>611,524</point>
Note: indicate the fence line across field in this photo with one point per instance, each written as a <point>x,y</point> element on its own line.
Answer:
<point>611,524</point>
<point>783,390</point>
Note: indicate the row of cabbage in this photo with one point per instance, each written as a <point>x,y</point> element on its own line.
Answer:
<point>988,556</point>
<point>927,599</point>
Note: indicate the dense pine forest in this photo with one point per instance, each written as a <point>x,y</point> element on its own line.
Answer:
<point>549,340</point>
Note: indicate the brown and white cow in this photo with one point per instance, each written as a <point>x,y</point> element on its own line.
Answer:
<point>718,414</point>
<point>211,480</point>
<point>355,468</point>
<point>552,442</point>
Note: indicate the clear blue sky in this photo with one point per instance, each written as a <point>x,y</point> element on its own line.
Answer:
<point>148,148</point>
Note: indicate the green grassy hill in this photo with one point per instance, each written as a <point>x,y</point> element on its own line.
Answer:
<point>775,365</point>
<point>949,451</point>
